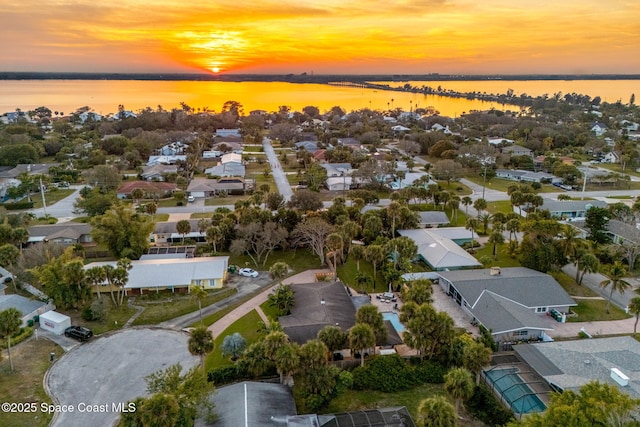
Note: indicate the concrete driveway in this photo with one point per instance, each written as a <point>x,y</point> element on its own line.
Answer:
<point>110,370</point>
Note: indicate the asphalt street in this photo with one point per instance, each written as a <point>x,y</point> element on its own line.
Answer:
<point>280,178</point>
<point>109,371</point>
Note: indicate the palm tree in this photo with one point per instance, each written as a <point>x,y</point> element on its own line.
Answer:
<point>333,337</point>
<point>586,263</point>
<point>183,227</point>
<point>357,253</point>
<point>287,360</point>
<point>496,238</point>
<point>279,270</point>
<point>480,205</point>
<point>570,243</point>
<point>362,280</point>
<point>485,219</point>
<point>436,412</point>
<point>335,244</point>
<point>458,382</point>
<point>161,410</point>
<point>471,224</point>
<point>476,356</point>
<point>634,307</point>
<point>233,345</point>
<point>10,322</point>
<point>213,236</point>
<point>199,294</point>
<point>283,299</point>
<point>361,337</point>
<point>513,226</point>
<point>375,255</point>
<point>201,343</point>
<point>466,202</point>
<point>616,272</point>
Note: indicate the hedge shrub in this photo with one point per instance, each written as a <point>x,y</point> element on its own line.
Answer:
<point>384,373</point>
<point>16,339</point>
<point>484,406</point>
<point>17,206</point>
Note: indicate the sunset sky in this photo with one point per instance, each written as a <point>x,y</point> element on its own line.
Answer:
<point>329,36</point>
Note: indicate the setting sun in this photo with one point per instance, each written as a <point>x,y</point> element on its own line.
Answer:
<point>215,70</point>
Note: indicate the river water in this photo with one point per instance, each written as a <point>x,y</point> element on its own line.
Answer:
<point>104,96</point>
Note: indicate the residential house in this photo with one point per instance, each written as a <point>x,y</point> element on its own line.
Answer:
<point>204,187</point>
<point>86,116</point>
<point>166,160</point>
<point>527,176</point>
<point>226,133</point>
<point>172,149</point>
<point>337,169</point>
<point>231,158</point>
<point>352,143</point>
<point>155,274</point>
<point>229,145</point>
<point>611,157</point>
<point>336,183</point>
<point>599,128</point>
<point>400,128</point>
<point>158,172</point>
<point>568,210</point>
<point>437,127</point>
<point>433,219</point>
<point>497,140</point>
<point>569,365</point>
<point>439,252</point>
<point>66,233</point>
<point>167,232</point>
<point>9,175</point>
<point>310,146</point>
<point>516,150</point>
<point>150,189</point>
<point>226,170</point>
<point>318,305</point>
<point>623,233</point>
<point>211,154</point>
<point>512,303</point>
<point>29,308</point>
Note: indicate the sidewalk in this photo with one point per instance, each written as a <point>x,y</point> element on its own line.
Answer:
<point>221,325</point>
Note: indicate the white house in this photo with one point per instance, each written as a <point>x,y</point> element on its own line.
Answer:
<point>339,183</point>
<point>611,157</point>
<point>156,274</point>
<point>527,176</point>
<point>599,128</point>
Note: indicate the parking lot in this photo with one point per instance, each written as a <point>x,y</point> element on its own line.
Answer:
<point>110,370</point>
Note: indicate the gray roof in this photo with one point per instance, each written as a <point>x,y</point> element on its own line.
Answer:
<point>381,417</point>
<point>571,205</point>
<point>227,169</point>
<point>309,315</point>
<point>68,229</point>
<point>626,231</point>
<point>521,285</point>
<point>170,227</point>
<point>439,252</point>
<point>26,306</point>
<point>252,404</point>
<point>500,315</point>
<point>572,364</point>
<point>516,148</point>
<point>158,169</point>
<point>156,272</point>
<point>433,217</point>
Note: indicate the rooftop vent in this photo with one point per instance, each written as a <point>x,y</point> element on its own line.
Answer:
<point>619,377</point>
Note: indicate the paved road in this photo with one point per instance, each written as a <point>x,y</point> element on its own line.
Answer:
<point>592,281</point>
<point>63,208</point>
<point>110,370</point>
<point>245,286</point>
<point>279,176</point>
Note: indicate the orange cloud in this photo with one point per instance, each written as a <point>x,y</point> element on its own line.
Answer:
<point>333,36</point>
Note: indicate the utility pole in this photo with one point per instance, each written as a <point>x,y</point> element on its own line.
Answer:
<point>44,203</point>
<point>584,184</point>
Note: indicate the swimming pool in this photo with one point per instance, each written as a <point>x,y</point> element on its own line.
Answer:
<point>513,389</point>
<point>395,321</point>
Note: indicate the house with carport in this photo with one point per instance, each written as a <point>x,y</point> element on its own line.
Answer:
<point>439,252</point>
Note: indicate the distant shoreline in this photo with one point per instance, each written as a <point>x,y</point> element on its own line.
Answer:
<point>305,78</point>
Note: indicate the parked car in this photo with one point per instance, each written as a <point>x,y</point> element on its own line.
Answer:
<point>78,332</point>
<point>248,272</point>
<point>191,199</point>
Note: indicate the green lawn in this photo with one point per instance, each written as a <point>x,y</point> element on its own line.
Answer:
<point>503,206</point>
<point>571,286</point>
<point>615,167</point>
<point>356,400</point>
<point>51,197</point>
<point>169,306</point>
<point>297,259</point>
<point>593,310</point>
<point>247,326</point>
<point>504,260</point>
<point>115,317</point>
<point>348,271</point>
<point>30,362</point>
<point>228,200</point>
<point>270,310</point>
<point>503,184</point>
<point>455,188</point>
